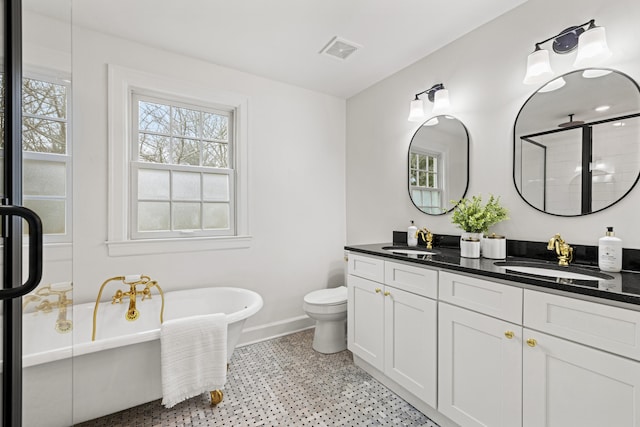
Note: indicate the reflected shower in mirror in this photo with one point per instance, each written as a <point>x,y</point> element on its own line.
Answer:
<point>577,143</point>
<point>438,164</point>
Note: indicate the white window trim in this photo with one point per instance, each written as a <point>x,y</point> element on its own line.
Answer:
<point>122,82</point>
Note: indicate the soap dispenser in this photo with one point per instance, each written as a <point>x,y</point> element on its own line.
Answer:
<point>412,239</point>
<point>610,252</point>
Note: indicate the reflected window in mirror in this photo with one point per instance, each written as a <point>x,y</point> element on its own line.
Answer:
<point>46,151</point>
<point>425,181</point>
<point>577,145</point>
<point>438,164</point>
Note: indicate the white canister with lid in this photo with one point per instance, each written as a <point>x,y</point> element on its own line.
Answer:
<point>469,247</point>
<point>494,246</point>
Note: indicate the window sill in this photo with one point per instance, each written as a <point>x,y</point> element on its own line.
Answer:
<point>162,246</point>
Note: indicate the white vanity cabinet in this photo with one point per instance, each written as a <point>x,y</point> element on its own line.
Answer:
<point>480,356</point>
<point>394,328</point>
<point>572,383</point>
<point>506,356</point>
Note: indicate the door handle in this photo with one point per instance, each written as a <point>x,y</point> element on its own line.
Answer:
<point>35,250</point>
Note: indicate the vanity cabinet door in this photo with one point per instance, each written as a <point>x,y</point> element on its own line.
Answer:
<point>365,320</point>
<point>411,342</point>
<point>568,384</point>
<point>480,369</point>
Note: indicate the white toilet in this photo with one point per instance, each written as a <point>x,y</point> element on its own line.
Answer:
<point>328,307</point>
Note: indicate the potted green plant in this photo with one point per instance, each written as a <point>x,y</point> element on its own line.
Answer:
<point>474,218</point>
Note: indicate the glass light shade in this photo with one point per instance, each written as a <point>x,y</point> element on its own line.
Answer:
<point>592,48</point>
<point>441,102</point>
<point>416,111</point>
<point>594,73</point>
<point>554,84</point>
<point>538,67</point>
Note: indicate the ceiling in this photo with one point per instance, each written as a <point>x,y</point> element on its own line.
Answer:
<point>281,39</point>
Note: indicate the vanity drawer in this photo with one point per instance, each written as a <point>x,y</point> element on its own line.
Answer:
<point>417,280</point>
<point>366,267</point>
<point>484,296</point>
<point>602,326</point>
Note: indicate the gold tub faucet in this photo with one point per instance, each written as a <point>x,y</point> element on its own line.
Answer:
<point>562,249</point>
<point>58,290</point>
<point>133,282</point>
<point>426,235</point>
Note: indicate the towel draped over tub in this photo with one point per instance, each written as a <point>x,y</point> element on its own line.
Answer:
<point>193,353</point>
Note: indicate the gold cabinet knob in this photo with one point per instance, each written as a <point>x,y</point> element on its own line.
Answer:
<point>509,334</point>
<point>531,342</point>
<point>346,258</point>
<point>378,290</point>
<point>387,293</point>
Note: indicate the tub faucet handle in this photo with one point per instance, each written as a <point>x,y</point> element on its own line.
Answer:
<point>117,297</point>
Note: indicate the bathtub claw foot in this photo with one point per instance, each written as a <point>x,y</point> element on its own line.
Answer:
<point>216,397</point>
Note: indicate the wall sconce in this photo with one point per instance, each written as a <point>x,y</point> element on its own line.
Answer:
<point>436,94</point>
<point>592,50</point>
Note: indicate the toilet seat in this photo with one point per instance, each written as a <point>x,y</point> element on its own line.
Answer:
<point>332,296</point>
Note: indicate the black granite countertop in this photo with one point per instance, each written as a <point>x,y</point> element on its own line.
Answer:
<point>622,287</point>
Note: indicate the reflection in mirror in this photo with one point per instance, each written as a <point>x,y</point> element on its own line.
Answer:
<point>438,164</point>
<point>577,144</point>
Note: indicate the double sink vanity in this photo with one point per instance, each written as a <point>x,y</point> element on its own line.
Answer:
<point>516,342</point>
<point>481,342</point>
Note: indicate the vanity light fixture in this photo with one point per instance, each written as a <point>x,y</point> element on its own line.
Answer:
<point>436,94</point>
<point>591,44</point>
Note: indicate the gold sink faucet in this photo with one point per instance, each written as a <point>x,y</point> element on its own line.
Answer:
<point>426,235</point>
<point>132,281</point>
<point>562,249</point>
<point>59,290</point>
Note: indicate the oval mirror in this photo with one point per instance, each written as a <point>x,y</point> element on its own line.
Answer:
<point>438,164</point>
<point>577,143</point>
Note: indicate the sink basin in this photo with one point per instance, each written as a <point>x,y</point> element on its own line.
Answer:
<point>406,251</point>
<point>551,270</point>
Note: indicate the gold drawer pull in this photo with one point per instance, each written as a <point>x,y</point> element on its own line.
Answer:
<point>378,290</point>
<point>509,334</point>
<point>531,342</point>
<point>387,293</point>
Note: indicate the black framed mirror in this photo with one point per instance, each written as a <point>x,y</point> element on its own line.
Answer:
<point>438,164</point>
<point>577,143</point>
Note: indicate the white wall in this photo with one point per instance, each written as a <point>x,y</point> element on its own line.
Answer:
<point>483,72</point>
<point>296,184</point>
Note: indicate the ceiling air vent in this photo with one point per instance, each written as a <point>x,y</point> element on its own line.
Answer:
<point>339,48</point>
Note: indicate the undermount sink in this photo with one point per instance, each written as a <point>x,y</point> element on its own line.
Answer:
<point>549,270</point>
<point>406,251</point>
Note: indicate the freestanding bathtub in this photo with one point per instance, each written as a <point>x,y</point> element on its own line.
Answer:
<point>68,378</point>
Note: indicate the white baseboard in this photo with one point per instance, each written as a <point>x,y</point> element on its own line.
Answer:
<point>276,329</point>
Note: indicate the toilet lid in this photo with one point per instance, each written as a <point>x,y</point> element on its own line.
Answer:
<point>327,296</point>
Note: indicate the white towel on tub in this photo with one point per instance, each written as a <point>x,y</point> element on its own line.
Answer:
<point>193,354</point>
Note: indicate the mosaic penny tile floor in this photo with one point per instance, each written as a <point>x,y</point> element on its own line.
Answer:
<point>283,382</point>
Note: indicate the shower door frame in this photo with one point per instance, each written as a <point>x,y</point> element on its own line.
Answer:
<point>13,213</point>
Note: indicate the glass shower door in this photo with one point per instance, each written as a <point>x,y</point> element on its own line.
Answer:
<point>37,327</point>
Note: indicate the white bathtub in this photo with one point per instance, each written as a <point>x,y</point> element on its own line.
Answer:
<point>70,379</point>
